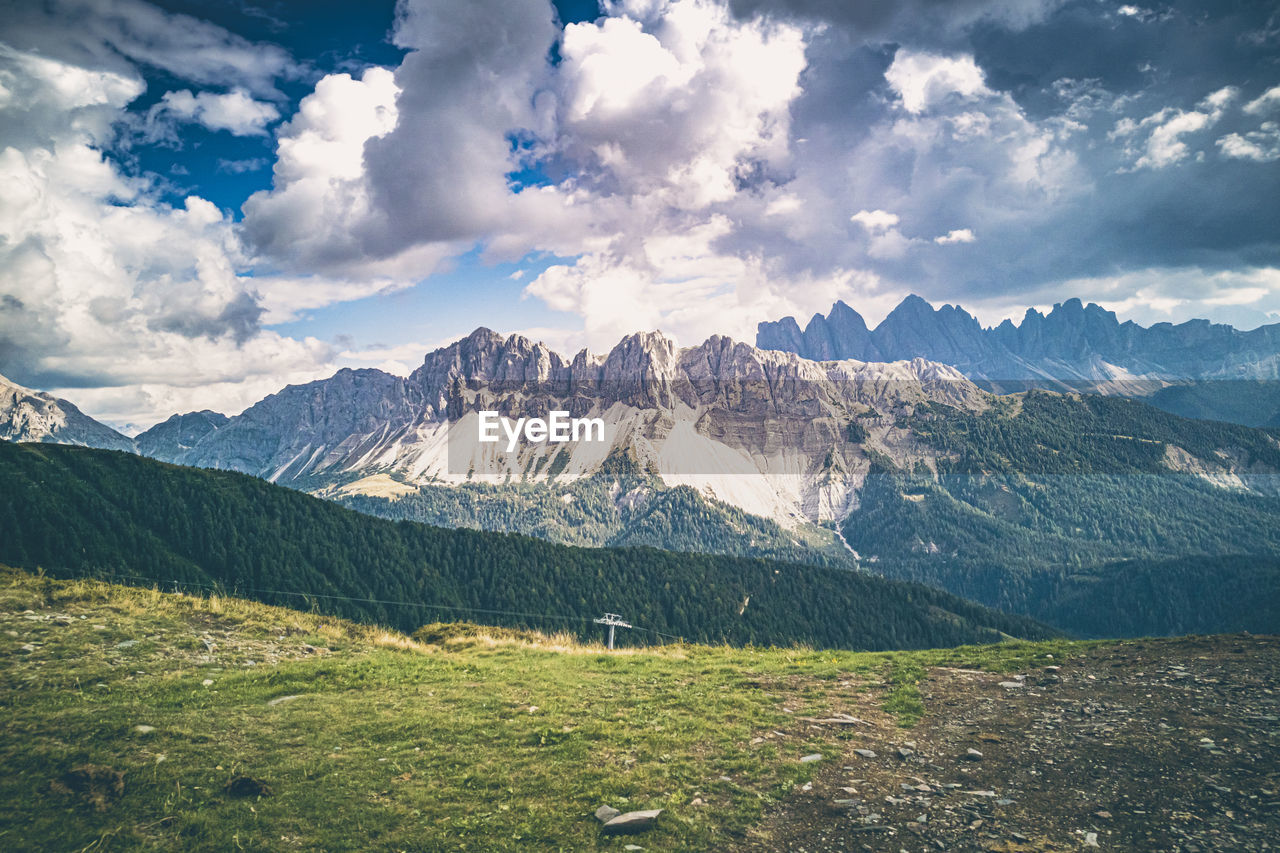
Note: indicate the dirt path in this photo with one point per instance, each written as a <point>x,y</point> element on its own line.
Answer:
<point>1170,745</point>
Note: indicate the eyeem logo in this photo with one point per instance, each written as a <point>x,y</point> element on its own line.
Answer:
<point>559,427</point>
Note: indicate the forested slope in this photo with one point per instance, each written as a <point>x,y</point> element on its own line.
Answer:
<point>80,511</point>
<point>1067,509</point>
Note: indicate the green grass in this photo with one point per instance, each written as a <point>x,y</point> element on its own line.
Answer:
<point>904,700</point>
<point>487,740</point>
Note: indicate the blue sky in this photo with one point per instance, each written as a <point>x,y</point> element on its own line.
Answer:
<point>205,201</point>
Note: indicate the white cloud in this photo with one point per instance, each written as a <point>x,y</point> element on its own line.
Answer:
<point>1261,145</point>
<point>976,158</point>
<point>706,108</point>
<point>44,96</point>
<point>1164,130</point>
<point>308,221</point>
<point>925,80</point>
<point>886,241</point>
<point>678,282</point>
<point>236,112</point>
<point>875,220</point>
<point>1265,102</point>
<point>672,152</point>
<point>1244,298</point>
<point>1144,15</point>
<point>104,284</point>
<point>959,235</point>
<point>112,34</point>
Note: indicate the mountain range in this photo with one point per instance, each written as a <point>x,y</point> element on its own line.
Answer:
<point>1196,368</point>
<point>1041,503</point>
<point>743,425</point>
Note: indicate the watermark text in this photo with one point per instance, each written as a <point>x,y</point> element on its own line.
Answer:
<point>558,426</point>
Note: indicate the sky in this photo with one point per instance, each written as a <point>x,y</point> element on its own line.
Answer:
<point>203,202</point>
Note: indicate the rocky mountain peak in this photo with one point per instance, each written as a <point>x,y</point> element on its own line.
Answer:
<point>179,432</point>
<point>641,354</point>
<point>27,415</point>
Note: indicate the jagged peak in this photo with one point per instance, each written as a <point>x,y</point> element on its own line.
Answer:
<point>914,300</point>
<point>842,312</point>
<point>911,307</point>
<point>482,333</point>
<point>650,342</point>
<point>787,321</point>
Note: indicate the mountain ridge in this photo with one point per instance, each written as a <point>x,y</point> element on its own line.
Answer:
<point>1073,346</point>
<point>677,408</point>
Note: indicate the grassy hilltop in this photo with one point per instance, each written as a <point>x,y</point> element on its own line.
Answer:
<point>484,739</point>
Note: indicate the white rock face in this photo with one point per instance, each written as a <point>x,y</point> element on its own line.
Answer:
<point>765,431</point>
<point>27,415</point>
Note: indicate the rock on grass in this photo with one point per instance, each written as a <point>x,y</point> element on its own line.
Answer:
<point>632,822</point>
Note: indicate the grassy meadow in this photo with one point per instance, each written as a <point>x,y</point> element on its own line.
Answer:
<point>222,724</point>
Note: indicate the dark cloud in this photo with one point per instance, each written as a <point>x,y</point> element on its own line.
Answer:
<point>237,319</point>
<point>442,171</point>
<point>114,34</point>
<point>1071,72</point>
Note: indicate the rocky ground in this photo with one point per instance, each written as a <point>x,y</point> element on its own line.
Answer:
<point>1170,745</point>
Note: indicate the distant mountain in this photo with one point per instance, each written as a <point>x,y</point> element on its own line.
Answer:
<point>170,439</point>
<point>1203,365</point>
<point>27,415</point>
<point>78,511</point>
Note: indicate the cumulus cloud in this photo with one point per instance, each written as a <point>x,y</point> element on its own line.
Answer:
<point>103,284</point>
<point>924,80</point>
<point>387,175</point>
<point>235,111</point>
<point>1163,144</point>
<point>959,235</point>
<point>440,175</point>
<point>945,147</point>
<point>1264,103</point>
<point>1261,145</point>
<point>321,190</point>
<point>875,220</point>
<point>706,111</point>
<point>670,154</point>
